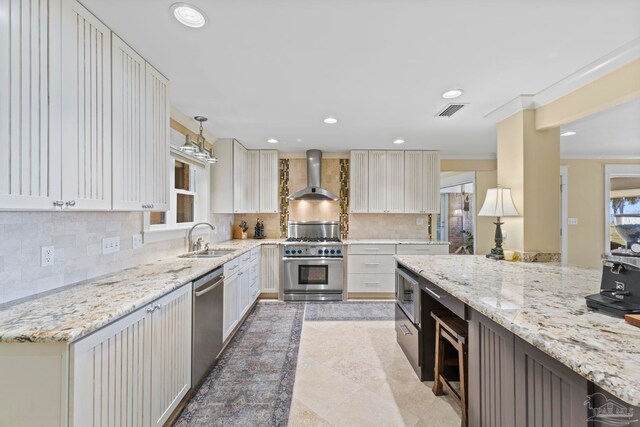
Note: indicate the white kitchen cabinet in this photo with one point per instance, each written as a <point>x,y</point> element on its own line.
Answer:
<point>171,352</point>
<point>244,181</point>
<point>422,250</point>
<point>135,370</point>
<point>270,269</point>
<point>413,182</point>
<point>243,290</point>
<point>394,182</point>
<point>430,182</point>
<point>371,269</point>
<point>240,181</point>
<point>254,275</point>
<point>86,109</point>
<point>29,129</point>
<point>252,188</point>
<point>377,181</point>
<point>230,306</point>
<point>269,181</point>
<point>129,128</point>
<point>359,182</point>
<point>157,139</point>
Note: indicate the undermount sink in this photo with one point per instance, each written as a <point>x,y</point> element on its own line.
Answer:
<point>210,253</point>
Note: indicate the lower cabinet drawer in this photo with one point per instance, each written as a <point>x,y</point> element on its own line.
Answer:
<point>365,249</point>
<point>423,249</point>
<point>232,267</point>
<point>371,264</point>
<point>371,283</point>
<point>408,339</point>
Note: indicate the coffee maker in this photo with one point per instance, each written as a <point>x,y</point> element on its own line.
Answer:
<point>620,284</point>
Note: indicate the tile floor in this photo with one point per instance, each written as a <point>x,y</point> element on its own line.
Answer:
<point>352,373</point>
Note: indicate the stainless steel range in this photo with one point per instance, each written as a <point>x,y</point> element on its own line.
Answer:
<point>313,262</point>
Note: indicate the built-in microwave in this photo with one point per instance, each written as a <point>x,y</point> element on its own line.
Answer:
<point>408,294</point>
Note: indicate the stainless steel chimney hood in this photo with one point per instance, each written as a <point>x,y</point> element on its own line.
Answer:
<point>313,191</point>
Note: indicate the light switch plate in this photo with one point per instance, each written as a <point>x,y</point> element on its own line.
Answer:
<point>504,236</point>
<point>47,256</point>
<point>572,221</point>
<point>419,221</point>
<point>110,245</point>
<point>137,241</point>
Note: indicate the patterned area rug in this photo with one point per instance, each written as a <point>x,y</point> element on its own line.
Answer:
<point>350,310</point>
<point>252,383</point>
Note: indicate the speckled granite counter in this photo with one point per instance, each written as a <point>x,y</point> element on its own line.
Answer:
<point>394,242</point>
<point>544,305</point>
<point>74,311</point>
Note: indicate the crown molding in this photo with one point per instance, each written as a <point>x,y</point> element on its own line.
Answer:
<point>597,157</point>
<point>585,75</point>
<point>489,156</point>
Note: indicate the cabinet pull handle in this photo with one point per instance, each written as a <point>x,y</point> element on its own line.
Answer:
<point>144,206</point>
<point>371,283</point>
<point>71,202</point>
<point>157,307</point>
<point>433,293</point>
<point>58,203</point>
<point>371,249</point>
<point>151,206</point>
<point>371,263</point>
<point>151,309</point>
<point>405,330</point>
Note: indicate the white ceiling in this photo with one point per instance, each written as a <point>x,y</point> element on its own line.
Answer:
<point>276,68</point>
<point>611,133</point>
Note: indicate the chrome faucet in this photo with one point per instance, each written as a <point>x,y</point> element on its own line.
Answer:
<point>198,245</point>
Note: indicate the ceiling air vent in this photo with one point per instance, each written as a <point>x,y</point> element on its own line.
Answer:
<point>450,110</point>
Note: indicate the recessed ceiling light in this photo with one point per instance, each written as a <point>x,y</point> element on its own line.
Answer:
<point>330,120</point>
<point>568,133</point>
<point>399,141</point>
<point>299,140</point>
<point>453,93</point>
<point>188,15</point>
<point>272,141</point>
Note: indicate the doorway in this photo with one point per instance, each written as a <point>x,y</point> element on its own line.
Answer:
<point>457,219</point>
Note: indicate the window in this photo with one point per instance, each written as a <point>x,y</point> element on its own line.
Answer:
<point>186,198</point>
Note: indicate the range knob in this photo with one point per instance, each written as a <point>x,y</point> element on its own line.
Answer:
<point>333,251</point>
<point>299,251</point>
<point>326,251</point>
<point>287,251</point>
<point>338,251</point>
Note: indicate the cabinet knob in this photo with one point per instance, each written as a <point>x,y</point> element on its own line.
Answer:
<point>71,202</point>
<point>157,307</point>
<point>58,203</point>
<point>151,206</point>
<point>145,206</point>
<point>151,309</point>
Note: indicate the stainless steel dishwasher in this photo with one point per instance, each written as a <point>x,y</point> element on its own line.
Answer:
<point>208,294</point>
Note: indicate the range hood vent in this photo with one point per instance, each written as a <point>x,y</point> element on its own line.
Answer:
<point>313,191</point>
<point>450,110</point>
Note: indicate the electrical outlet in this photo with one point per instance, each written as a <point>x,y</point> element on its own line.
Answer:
<point>572,221</point>
<point>504,236</point>
<point>137,241</point>
<point>47,256</point>
<point>419,221</point>
<point>110,245</point>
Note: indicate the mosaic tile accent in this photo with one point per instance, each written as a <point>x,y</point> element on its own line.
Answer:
<point>538,256</point>
<point>344,198</point>
<point>252,383</point>
<point>350,310</point>
<point>284,192</point>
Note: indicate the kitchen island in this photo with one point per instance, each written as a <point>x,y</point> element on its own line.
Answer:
<point>522,315</point>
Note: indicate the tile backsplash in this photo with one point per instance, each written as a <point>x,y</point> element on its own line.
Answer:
<point>77,239</point>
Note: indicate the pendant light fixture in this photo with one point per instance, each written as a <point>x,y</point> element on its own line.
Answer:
<point>197,148</point>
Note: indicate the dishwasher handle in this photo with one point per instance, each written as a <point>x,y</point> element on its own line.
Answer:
<point>210,288</point>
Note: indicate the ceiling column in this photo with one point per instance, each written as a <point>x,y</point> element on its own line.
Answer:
<point>528,162</point>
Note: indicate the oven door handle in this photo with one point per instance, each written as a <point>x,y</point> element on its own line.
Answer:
<point>408,278</point>
<point>301,259</point>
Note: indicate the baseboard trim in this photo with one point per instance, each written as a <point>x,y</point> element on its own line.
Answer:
<point>371,295</point>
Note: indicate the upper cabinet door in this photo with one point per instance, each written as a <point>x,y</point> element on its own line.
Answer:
<point>239,183</point>
<point>377,181</point>
<point>253,181</point>
<point>359,182</point>
<point>269,181</point>
<point>29,131</point>
<point>86,109</point>
<point>395,182</point>
<point>430,182</point>
<point>413,181</point>
<point>157,140</point>
<point>129,75</point>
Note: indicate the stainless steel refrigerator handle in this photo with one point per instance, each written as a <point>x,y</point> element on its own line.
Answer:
<point>210,288</point>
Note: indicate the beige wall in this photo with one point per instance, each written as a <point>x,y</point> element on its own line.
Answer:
<point>485,229</point>
<point>586,200</point>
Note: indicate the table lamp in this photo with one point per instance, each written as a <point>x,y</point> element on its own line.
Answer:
<point>498,203</point>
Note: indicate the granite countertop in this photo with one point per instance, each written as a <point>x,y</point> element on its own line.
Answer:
<point>544,305</point>
<point>77,310</point>
<point>395,242</point>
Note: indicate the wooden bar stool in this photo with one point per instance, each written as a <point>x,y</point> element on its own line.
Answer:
<point>455,330</point>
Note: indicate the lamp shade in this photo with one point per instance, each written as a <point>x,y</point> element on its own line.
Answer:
<point>498,203</point>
